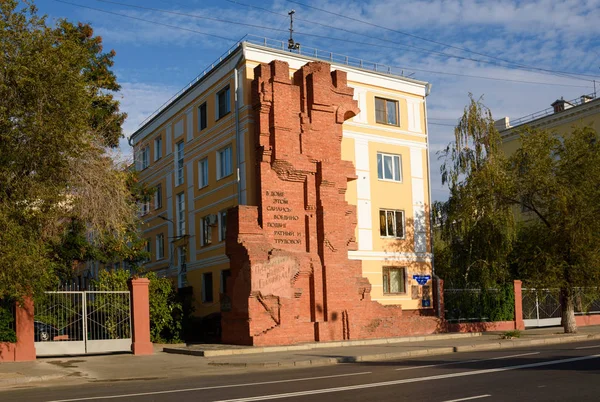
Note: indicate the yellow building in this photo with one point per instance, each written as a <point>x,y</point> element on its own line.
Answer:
<point>198,151</point>
<point>560,118</point>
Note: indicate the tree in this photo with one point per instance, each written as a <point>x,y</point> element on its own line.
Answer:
<point>476,227</point>
<point>555,181</point>
<point>57,116</point>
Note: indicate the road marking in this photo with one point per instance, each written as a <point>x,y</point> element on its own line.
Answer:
<point>588,347</point>
<point>173,391</point>
<point>408,380</point>
<point>466,361</point>
<point>469,398</point>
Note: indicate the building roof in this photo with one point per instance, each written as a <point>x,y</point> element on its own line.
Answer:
<point>278,47</point>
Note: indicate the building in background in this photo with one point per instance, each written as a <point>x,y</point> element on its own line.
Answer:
<point>560,118</point>
<point>200,153</point>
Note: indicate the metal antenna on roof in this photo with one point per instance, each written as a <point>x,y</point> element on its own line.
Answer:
<point>291,44</point>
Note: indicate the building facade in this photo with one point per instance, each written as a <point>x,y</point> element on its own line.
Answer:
<point>203,152</point>
<point>560,118</point>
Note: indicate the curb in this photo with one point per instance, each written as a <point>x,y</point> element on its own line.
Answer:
<point>273,349</point>
<point>504,344</point>
<point>26,380</point>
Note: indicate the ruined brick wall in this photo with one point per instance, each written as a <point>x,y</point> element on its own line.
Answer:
<point>291,277</point>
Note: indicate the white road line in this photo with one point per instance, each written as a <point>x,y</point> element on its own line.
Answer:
<point>469,398</point>
<point>173,391</point>
<point>408,380</point>
<point>588,347</point>
<point>466,361</point>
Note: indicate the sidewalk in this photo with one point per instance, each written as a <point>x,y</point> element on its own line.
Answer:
<point>188,362</point>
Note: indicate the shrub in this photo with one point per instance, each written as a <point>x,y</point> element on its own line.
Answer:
<point>166,310</point>
<point>7,332</point>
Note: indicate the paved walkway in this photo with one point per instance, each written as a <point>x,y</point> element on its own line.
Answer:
<point>188,363</point>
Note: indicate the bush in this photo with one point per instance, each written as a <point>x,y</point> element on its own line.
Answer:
<point>480,304</point>
<point>166,310</point>
<point>7,332</point>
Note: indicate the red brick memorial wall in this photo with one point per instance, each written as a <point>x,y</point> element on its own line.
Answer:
<point>291,279</point>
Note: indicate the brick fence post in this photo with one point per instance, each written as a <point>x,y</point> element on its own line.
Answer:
<point>140,316</point>
<point>519,323</point>
<point>24,328</point>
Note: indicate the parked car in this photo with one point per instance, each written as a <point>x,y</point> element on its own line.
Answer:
<point>44,332</point>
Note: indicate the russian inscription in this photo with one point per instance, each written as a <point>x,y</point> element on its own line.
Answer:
<point>284,215</point>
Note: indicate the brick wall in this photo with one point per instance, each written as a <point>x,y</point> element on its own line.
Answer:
<point>291,277</point>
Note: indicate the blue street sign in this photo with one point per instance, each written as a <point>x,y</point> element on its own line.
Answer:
<point>426,303</point>
<point>422,279</point>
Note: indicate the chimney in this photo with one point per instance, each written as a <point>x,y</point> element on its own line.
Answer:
<point>502,124</point>
<point>561,105</point>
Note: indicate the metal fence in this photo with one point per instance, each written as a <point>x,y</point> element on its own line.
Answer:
<point>542,307</point>
<point>479,305</point>
<point>79,322</point>
<point>7,321</point>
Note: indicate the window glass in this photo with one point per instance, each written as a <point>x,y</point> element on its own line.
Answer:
<point>386,111</point>
<point>223,103</point>
<point>207,287</point>
<point>202,123</point>
<point>203,173</point>
<point>180,177</point>
<point>391,223</point>
<point>389,167</point>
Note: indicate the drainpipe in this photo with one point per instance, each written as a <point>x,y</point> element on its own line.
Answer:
<point>237,134</point>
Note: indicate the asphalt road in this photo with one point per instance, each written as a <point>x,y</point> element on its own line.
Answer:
<point>563,372</point>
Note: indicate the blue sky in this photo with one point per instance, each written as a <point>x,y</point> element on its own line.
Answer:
<point>510,43</point>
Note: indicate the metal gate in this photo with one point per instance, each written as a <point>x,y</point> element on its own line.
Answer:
<point>541,307</point>
<point>80,322</point>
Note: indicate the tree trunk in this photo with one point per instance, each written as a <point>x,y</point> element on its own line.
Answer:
<point>567,302</point>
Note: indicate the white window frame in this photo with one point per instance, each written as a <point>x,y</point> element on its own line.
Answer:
<point>387,285</point>
<point>200,119</point>
<point>396,167</point>
<point>221,153</point>
<point>160,246</point>
<point>222,225</point>
<point>226,91</point>
<point>144,208</point>
<point>145,157</point>
<point>180,206</point>
<point>387,104</point>
<point>202,169</point>
<point>205,232</point>
<point>157,148</point>
<point>179,173</point>
<point>158,197</point>
<point>394,214</point>
<point>205,284</point>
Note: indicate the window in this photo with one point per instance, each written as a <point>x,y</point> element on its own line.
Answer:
<point>223,102</point>
<point>144,207</point>
<point>206,231</point>
<point>394,280</point>
<point>157,148</point>
<point>222,225</point>
<point>181,254</point>
<point>224,166</point>
<point>389,167</point>
<point>226,273</point>
<point>203,173</point>
<point>202,117</point>
<point>179,178</point>
<point>180,214</point>
<point>117,266</point>
<point>145,157</point>
<point>147,249</point>
<point>386,111</point>
<point>391,223</point>
<point>207,287</point>
<point>158,197</point>
<point>160,246</point>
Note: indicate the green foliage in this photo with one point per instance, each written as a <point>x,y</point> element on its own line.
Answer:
<point>511,334</point>
<point>57,116</point>
<point>166,310</point>
<point>475,227</point>
<point>480,305</point>
<point>7,319</point>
